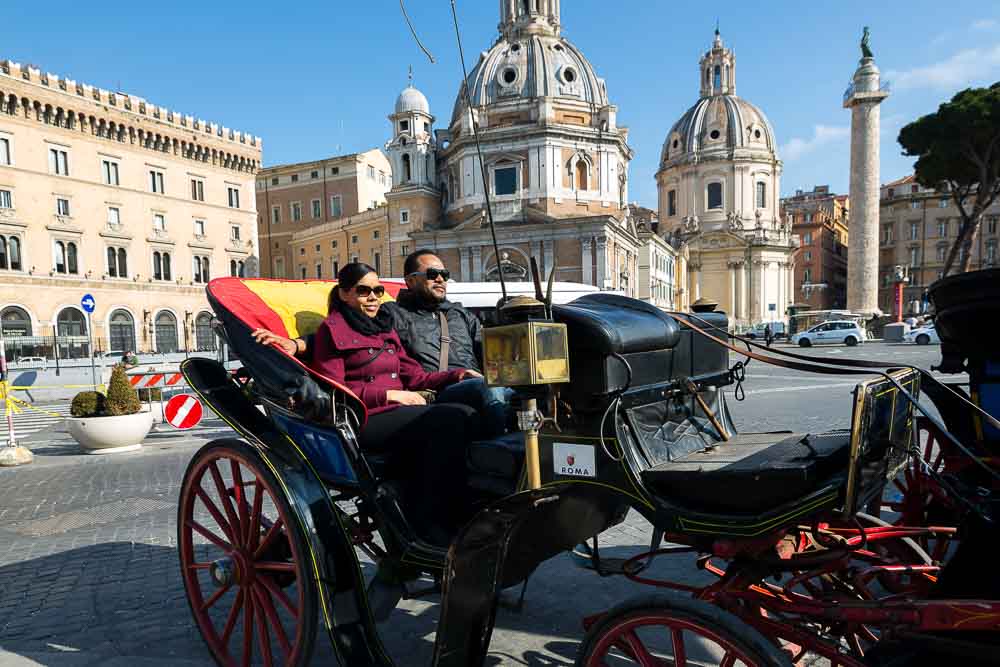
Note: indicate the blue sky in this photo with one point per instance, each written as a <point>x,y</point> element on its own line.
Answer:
<point>314,79</point>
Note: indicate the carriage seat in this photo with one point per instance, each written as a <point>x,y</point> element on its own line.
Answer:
<point>495,465</point>
<point>752,472</point>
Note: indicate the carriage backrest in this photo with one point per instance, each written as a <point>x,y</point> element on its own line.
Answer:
<point>290,308</point>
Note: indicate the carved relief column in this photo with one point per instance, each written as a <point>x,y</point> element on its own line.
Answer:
<point>586,259</point>
<point>550,261</point>
<point>602,261</point>
<point>463,253</point>
<point>731,306</point>
<point>741,291</point>
<point>477,262</point>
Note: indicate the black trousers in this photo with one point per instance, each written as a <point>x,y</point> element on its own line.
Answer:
<point>426,447</point>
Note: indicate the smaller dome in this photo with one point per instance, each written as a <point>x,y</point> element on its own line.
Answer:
<point>412,99</point>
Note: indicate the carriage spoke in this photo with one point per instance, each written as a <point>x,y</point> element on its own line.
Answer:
<point>215,597</point>
<point>241,502</point>
<point>247,629</point>
<point>728,660</point>
<point>262,632</point>
<point>677,638</point>
<point>264,601</point>
<point>208,535</point>
<point>234,612</point>
<point>272,566</point>
<point>258,502</point>
<point>274,590</point>
<point>199,566</point>
<point>216,514</point>
<point>220,487</point>
<point>272,534</point>
<point>638,650</point>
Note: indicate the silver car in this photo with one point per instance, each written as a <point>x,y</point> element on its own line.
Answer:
<point>835,332</point>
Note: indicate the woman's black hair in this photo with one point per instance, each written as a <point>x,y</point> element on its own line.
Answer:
<point>349,276</point>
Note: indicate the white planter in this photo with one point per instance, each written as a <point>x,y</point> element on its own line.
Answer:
<point>110,435</point>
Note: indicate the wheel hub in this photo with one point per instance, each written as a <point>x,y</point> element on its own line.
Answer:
<point>223,572</point>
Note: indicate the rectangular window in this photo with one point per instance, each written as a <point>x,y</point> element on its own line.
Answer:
<point>295,178</point>
<point>6,201</point>
<point>887,234</point>
<point>333,244</point>
<point>807,256</point>
<point>110,172</point>
<point>234,197</point>
<point>672,203</point>
<point>274,181</point>
<point>296,211</point>
<point>381,178</point>
<point>714,195</point>
<point>915,205</point>
<point>761,195</point>
<point>404,125</point>
<point>807,276</point>
<point>334,171</point>
<point>275,214</point>
<point>302,272</point>
<point>156,181</point>
<point>914,256</point>
<point>378,263</point>
<point>62,207</point>
<point>941,250</point>
<point>991,225</point>
<point>314,174</point>
<point>375,235</point>
<point>991,252</point>
<point>58,162</point>
<point>114,216</point>
<point>505,181</point>
<point>807,238</point>
<point>336,206</point>
<point>199,227</point>
<point>197,189</point>
<point>942,228</point>
<point>914,230</point>
<point>159,222</point>
<point>336,268</point>
<point>319,272</point>
<point>404,249</point>
<point>317,207</point>
<point>4,151</point>
<point>317,248</point>
<point>942,203</point>
<point>234,232</point>
<point>354,239</point>
<point>404,217</point>
<point>371,172</point>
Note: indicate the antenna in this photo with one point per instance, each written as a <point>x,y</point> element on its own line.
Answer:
<point>479,151</point>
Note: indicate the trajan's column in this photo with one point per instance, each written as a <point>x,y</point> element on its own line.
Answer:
<point>863,99</point>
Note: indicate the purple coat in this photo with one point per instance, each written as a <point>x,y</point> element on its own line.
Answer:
<point>342,354</point>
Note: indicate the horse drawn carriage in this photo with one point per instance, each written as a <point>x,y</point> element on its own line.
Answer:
<point>791,524</point>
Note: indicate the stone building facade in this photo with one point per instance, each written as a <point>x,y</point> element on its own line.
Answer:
<point>662,267</point>
<point>554,157</point>
<point>297,198</point>
<point>718,185</point>
<point>917,227</point>
<point>819,218</point>
<point>104,193</point>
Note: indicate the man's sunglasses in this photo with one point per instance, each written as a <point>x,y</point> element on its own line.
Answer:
<point>364,291</point>
<point>432,274</point>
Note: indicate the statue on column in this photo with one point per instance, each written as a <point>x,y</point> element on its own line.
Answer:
<point>866,51</point>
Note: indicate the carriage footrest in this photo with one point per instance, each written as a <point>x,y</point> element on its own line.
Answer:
<point>752,472</point>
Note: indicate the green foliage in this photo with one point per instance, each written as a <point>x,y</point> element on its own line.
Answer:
<point>122,397</point>
<point>88,404</point>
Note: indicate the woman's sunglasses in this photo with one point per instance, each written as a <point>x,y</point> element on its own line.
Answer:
<point>432,274</point>
<point>364,291</point>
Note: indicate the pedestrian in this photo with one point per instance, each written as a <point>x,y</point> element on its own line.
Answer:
<point>768,335</point>
<point>129,360</point>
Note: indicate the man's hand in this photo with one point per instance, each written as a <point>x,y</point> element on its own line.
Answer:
<point>468,373</point>
<point>286,345</point>
<point>404,397</point>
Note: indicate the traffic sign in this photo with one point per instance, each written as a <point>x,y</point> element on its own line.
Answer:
<point>88,303</point>
<point>183,411</point>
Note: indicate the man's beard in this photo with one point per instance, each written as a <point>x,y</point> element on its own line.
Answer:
<point>431,296</point>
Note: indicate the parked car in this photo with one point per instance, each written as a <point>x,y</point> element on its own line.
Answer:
<point>832,333</point>
<point>33,362</point>
<point>757,331</point>
<point>924,335</point>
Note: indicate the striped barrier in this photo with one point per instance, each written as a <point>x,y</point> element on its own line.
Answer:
<point>150,380</point>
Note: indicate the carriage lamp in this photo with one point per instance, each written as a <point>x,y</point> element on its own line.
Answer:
<point>526,354</point>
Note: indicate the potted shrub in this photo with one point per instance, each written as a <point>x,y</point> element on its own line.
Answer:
<point>113,423</point>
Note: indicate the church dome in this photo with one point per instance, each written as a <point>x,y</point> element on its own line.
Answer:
<point>412,99</point>
<point>523,65</point>
<point>720,122</point>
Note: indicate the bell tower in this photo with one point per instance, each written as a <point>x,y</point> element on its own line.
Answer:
<point>718,69</point>
<point>534,17</point>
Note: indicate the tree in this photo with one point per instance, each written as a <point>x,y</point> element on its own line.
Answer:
<point>958,150</point>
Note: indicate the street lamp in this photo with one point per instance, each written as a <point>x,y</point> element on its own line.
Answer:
<point>901,275</point>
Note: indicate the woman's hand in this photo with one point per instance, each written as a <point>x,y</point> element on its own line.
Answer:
<point>404,397</point>
<point>286,345</point>
<point>468,373</point>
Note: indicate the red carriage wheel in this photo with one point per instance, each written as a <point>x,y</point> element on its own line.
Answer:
<point>669,630</point>
<point>243,560</point>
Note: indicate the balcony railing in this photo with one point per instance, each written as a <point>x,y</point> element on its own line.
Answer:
<point>507,209</point>
<point>885,87</point>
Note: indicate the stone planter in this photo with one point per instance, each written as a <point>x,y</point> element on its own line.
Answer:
<point>110,435</point>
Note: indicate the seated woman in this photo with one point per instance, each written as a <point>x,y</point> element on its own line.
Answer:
<point>357,346</point>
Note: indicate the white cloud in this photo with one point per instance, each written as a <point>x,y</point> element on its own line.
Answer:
<point>957,71</point>
<point>984,24</point>
<point>822,135</point>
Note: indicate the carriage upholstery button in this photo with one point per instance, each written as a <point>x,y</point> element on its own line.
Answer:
<point>371,351</point>
<point>370,378</point>
<point>392,351</point>
<point>394,376</point>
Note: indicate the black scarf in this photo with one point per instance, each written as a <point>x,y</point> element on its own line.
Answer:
<point>364,325</point>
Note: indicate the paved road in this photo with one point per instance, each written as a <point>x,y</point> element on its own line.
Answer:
<point>88,565</point>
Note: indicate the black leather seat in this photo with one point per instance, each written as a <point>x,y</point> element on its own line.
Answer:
<point>752,472</point>
<point>495,465</point>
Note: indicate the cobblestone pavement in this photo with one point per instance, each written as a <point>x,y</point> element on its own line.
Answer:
<point>89,572</point>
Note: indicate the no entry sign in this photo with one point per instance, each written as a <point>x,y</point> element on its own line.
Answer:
<point>183,411</point>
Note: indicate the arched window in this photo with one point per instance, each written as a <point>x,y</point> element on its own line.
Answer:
<point>14,321</point>
<point>60,258</point>
<point>3,252</point>
<point>582,175</point>
<point>717,82</point>
<point>204,269</point>
<point>714,191</point>
<point>157,266</point>
<point>166,266</point>
<point>15,253</point>
<point>241,269</point>
<point>122,263</point>
<point>121,332</point>
<point>166,332</point>
<point>407,170</point>
<point>203,334</point>
<point>232,267</point>
<point>196,269</point>
<point>71,258</point>
<point>71,322</point>
<point>761,195</point>
<point>112,263</point>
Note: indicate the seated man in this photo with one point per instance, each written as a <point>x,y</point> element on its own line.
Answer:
<point>438,334</point>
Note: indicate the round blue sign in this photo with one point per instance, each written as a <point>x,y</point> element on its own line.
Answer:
<point>88,303</point>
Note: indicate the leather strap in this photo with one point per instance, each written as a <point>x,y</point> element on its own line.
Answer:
<point>445,341</point>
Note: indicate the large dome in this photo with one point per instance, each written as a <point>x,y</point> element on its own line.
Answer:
<point>412,99</point>
<point>719,124</point>
<point>532,65</point>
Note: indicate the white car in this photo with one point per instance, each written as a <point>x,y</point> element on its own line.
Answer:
<point>831,333</point>
<point>924,335</point>
<point>33,362</point>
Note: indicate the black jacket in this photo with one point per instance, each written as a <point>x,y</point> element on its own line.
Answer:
<point>420,330</point>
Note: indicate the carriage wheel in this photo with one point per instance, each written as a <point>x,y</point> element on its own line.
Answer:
<point>243,560</point>
<point>670,630</point>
